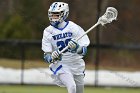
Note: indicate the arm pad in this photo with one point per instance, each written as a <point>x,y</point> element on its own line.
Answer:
<point>47,57</point>
<point>82,50</point>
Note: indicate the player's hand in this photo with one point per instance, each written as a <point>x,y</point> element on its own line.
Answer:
<point>47,57</point>
<point>56,55</point>
<point>73,45</point>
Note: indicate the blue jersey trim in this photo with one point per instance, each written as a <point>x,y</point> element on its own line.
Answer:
<point>63,27</point>
<point>54,72</point>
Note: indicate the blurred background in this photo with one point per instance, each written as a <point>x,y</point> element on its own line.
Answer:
<point>113,55</point>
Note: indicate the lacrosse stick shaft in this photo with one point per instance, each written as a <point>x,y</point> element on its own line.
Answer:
<point>90,29</point>
<point>64,49</point>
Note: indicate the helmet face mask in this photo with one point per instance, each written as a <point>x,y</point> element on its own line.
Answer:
<point>58,12</point>
<point>55,16</point>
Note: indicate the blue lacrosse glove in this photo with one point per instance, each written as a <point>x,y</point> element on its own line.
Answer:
<point>50,58</point>
<point>76,48</point>
<point>73,45</point>
<point>47,57</point>
<point>56,55</point>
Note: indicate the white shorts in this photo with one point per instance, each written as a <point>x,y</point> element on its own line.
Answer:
<point>75,68</point>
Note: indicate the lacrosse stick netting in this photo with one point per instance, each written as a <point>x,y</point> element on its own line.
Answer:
<point>110,15</point>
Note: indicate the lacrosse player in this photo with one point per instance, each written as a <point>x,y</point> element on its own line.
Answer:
<point>68,69</point>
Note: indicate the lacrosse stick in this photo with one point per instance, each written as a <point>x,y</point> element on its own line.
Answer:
<point>110,15</point>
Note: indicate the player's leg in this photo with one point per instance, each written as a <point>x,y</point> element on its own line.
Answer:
<point>68,81</point>
<point>79,80</point>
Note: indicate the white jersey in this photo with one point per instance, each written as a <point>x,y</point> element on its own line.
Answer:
<point>71,63</point>
<point>54,39</point>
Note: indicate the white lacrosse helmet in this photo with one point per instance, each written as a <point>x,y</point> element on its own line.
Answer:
<point>58,12</point>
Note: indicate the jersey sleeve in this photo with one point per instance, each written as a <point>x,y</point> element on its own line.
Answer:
<point>46,41</point>
<point>84,41</point>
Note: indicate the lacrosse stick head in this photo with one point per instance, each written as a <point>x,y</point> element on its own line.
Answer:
<point>110,15</point>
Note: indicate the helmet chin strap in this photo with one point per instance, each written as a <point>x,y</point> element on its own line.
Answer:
<point>59,25</point>
<point>55,24</point>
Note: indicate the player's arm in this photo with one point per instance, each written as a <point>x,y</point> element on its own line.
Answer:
<point>47,48</point>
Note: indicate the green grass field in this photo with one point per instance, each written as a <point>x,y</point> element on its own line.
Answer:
<point>55,89</point>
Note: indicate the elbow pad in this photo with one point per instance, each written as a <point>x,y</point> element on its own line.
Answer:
<point>82,50</point>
